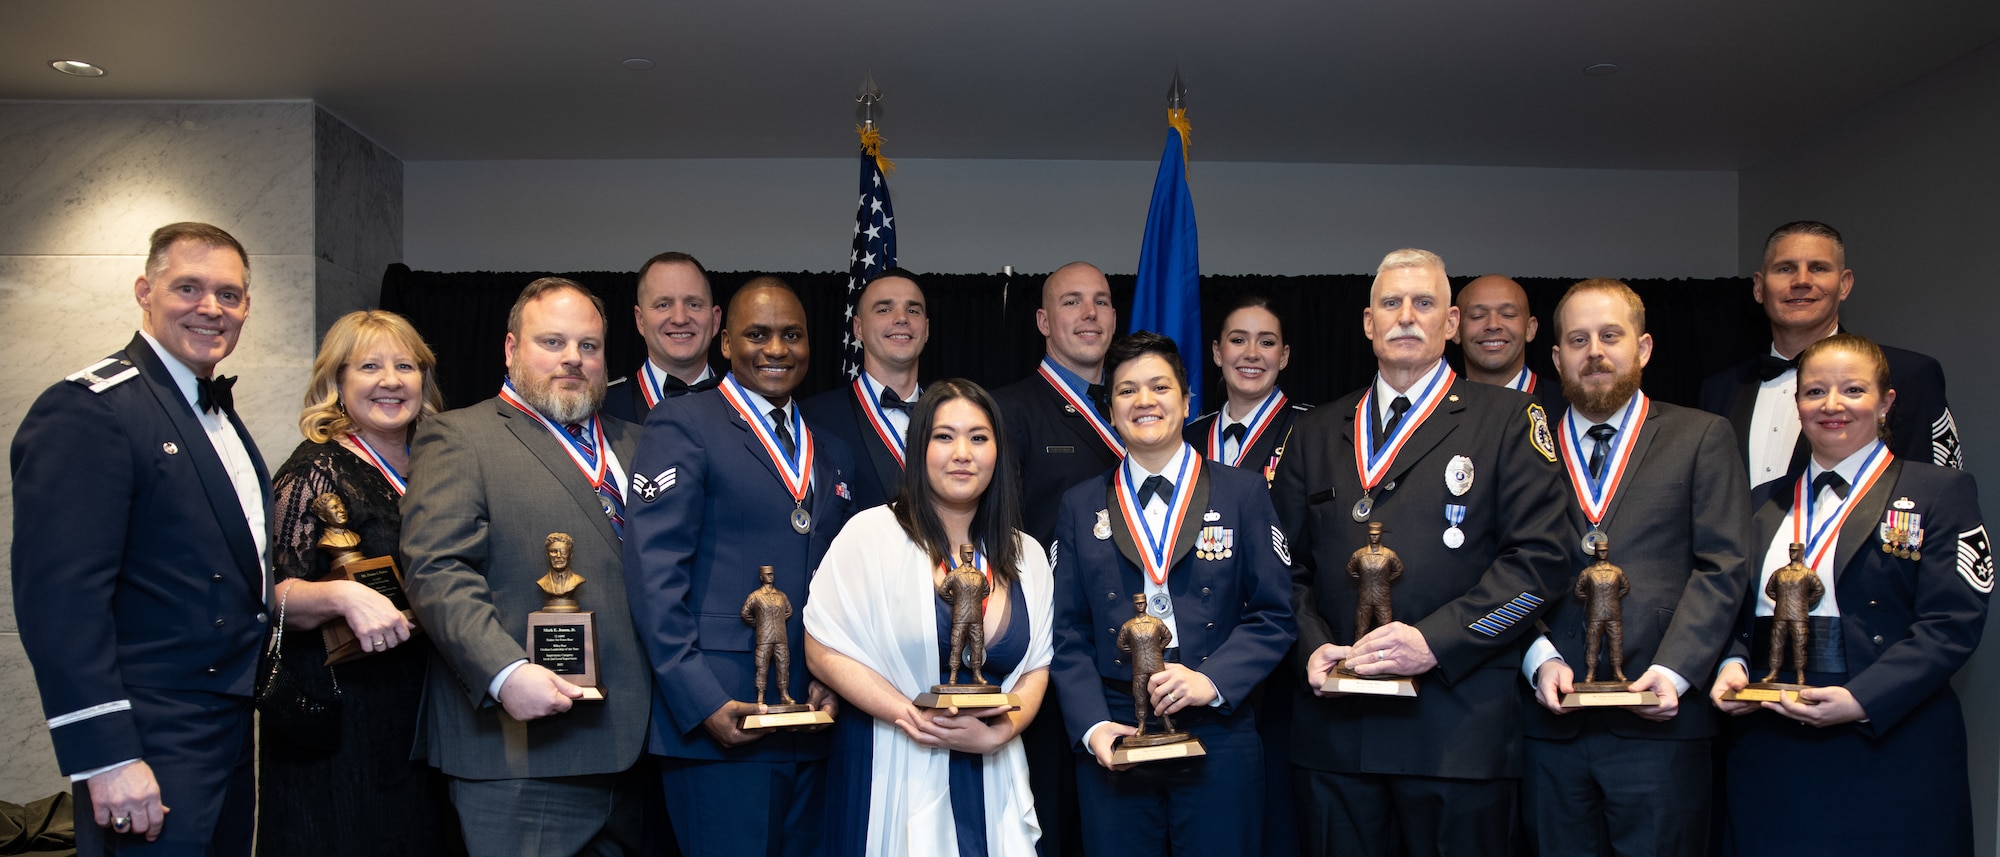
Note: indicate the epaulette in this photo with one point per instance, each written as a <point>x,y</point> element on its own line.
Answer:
<point>90,376</point>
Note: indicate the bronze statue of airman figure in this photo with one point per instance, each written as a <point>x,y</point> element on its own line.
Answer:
<point>1794,590</point>
<point>1144,640</point>
<point>1602,587</point>
<point>965,588</point>
<point>1374,569</point>
<point>766,610</point>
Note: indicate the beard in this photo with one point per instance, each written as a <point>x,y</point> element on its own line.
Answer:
<point>1603,401</point>
<point>561,407</point>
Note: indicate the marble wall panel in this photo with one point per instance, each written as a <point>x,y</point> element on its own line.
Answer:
<point>89,178</point>
<point>27,758</point>
<point>357,207</point>
<point>341,291</point>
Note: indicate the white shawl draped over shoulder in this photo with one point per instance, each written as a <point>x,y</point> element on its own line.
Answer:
<point>872,600</point>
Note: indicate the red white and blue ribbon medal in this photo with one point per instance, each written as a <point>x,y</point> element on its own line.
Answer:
<point>795,471</point>
<point>368,452</point>
<point>1082,406</point>
<point>871,405</point>
<point>1156,548</point>
<point>1372,463</point>
<point>1525,382</point>
<point>1593,494</point>
<point>650,383</point>
<point>1260,419</point>
<point>590,454</point>
<point>1818,537</point>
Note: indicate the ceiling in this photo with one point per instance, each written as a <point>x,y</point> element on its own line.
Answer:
<point>1702,84</point>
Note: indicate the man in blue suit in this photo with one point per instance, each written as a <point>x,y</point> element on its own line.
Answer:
<point>724,482</point>
<point>677,316</point>
<point>871,414</point>
<point>140,567</point>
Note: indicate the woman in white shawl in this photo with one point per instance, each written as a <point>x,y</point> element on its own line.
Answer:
<point>910,781</point>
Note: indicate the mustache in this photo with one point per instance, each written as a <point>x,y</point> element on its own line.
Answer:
<point>1409,330</point>
<point>1596,364</point>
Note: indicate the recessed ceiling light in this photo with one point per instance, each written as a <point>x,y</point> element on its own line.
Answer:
<point>1603,69</point>
<point>78,68</point>
<point>638,63</point>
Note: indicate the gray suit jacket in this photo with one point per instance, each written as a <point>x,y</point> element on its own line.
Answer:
<point>488,485</point>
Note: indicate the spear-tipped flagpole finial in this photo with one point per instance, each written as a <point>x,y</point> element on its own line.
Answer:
<point>868,97</point>
<point>1177,92</point>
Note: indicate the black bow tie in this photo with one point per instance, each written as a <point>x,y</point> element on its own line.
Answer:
<point>1832,480</point>
<point>673,384</point>
<point>1769,367</point>
<point>1159,485</point>
<point>1099,398</point>
<point>213,394</point>
<point>1233,431</point>
<point>890,401</point>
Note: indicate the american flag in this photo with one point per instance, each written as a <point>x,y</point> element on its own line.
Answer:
<point>874,246</point>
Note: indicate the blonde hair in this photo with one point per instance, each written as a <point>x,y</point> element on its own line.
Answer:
<point>324,417</point>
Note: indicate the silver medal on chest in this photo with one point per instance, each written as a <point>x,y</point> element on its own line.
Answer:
<point>802,520</point>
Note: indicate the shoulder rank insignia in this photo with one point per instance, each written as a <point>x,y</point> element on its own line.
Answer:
<point>105,374</point>
<point>651,489</point>
<point>1975,559</point>
<point>1538,433</point>
<point>1278,545</point>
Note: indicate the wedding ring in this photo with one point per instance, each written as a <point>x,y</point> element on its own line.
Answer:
<point>121,823</point>
<point>1378,654</point>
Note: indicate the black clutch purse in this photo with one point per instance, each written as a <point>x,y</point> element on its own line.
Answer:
<point>291,710</point>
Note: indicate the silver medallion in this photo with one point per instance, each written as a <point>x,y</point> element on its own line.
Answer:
<point>1160,605</point>
<point>1362,507</point>
<point>1592,540</point>
<point>1454,538</point>
<point>1458,475</point>
<point>802,520</point>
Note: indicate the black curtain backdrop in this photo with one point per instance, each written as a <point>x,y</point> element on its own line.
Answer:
<point>983,325</point>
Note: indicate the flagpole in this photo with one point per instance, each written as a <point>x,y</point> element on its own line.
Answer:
<point>1167,299</point>
<point>874,248</point>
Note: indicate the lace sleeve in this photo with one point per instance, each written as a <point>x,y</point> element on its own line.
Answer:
<point>297,529</point>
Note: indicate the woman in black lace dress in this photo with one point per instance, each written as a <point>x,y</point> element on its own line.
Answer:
<point>351,788</point>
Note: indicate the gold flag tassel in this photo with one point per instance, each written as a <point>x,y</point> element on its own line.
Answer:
<point>1177,120</point>
<point>871,143</point>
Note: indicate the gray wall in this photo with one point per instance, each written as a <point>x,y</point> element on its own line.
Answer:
<point>1910,181</point>
<point>966,216</point>
<point>85,183</point>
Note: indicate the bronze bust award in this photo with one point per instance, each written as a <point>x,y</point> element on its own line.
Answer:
<point>965,588</point>
<point>562,636</point>
<point>766,611</point>
<point>345,562</point>
<point>1602,588</point>
<point>1144,639</point>
<point>1795,590</point>
<point>1374,568</point>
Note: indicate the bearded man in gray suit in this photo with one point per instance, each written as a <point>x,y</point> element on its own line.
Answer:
<point>534,767</point>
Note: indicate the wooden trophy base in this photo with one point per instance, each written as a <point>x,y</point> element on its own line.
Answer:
<point>1343,681</point>
<point>565,643</point>
<point>966,696</point>
<point>1156,747</point>
<point>784,716</point>
<point>1766,691</point>
<point>1608,694</point>
<point>381,575</point>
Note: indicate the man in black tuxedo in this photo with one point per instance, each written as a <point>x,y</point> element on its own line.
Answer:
<point>1665,486</point>
<point>677,315</point>
<point>1803,280</point>
<point>871,414</point>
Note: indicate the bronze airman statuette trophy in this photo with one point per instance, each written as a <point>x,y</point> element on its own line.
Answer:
<point>345,562</point>
<point>1374,568</point>
<point>1602,588</point>
<point>766,611</point>
<point>965,588</point>
<point>562,637</point>
<point>1144,640</point>
<point>1795,590</point>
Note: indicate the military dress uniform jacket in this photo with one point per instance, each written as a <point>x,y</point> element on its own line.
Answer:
<point>712,510</point>
<point>1262,458</point>
<point>625,396</point>
<point>1907,625</point>
<point>877,473</point>
<point>1472,603</point>
<point>133,563</point>
<point>1920,423</point>
<point>1055,445</point>
<point>488,484</point>
<point>1679,526</point>
<point>1233,613</point>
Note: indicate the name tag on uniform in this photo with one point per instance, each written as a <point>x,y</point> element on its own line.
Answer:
<point>1059,449</point>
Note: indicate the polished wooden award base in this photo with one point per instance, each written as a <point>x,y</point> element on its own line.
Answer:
<point>1608,694</point>
<point>1766,691</point>
<point>565,643</point>
<point>1156,747</point>
<point>965,696</point>
<point>1343,681</point>
<point>379,574</point>
<point>782,716</point>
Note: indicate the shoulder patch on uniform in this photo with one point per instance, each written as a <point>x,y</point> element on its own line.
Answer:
<point>1278,545</point>
<point>104,374</point>
<point>1539,436</point>
<point>1945,448</point>
<point>1052,552</point>
<point>651,489</point>
<point>1975,559</point>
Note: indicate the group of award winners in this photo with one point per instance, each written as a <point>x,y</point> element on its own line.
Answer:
<point>686,612</point>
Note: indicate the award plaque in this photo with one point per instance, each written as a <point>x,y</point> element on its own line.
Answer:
<point>965,588</point>
<point>766,611</point>
<point>1602,588</point>
<point>562,637</point>
<point>1794,590</point>
<point>1374,569</point>
<point>1144,640</point>
<point>345,562</point>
